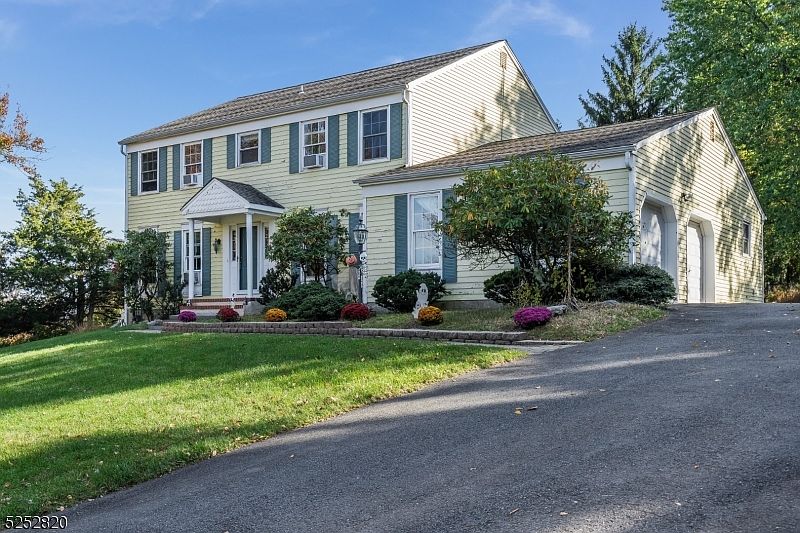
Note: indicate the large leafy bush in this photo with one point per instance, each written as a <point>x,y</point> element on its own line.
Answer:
<point>276,281</point>
<point>642,284</point>
<point>399,292</point>
<point>503,286</point>
<point>311,301</point>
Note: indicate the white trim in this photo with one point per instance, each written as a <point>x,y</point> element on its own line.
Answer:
<point>182,163</point>
<point>239,148</point>
<point>410,187</point>
<point>302,140</point>
<point>630,163</point>
<point>749,251</point>
<point>361,160</point>
<point>408,97</point>
<point>245,206</point>
<point>273,121</point>
<point>428,267</point>
<point>158,170</point>
<point>669,259</point>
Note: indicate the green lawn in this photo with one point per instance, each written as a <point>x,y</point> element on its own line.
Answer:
<point>591,321</point>
<point>87,413</point>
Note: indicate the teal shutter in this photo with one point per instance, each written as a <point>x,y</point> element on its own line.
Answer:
<point>333,261</point>
<point>333,141</point>
<point>352,139</point>
<point>177,257</point>
<point>396,131</point>
<point>231,151</point>
<point>207,162</point>
<point>206,260</point>
<point>162,169</point>
<point>449,252</point>
<point>176,167</point>
<point>400,233</point>
<point>266,145</point>
<point>134,174</point>
<point>352,222</point>
<point>294,148</point>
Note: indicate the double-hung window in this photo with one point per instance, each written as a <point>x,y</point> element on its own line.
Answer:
<point>248,148</point>
<point>149,171</point>
<point>375,134</point>
<point>315,143</point>
<point>192,158</point>
<point>198,257</point>
<point>746,238</point>
<point>426,252</point>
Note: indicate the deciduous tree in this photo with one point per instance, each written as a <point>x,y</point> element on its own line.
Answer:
<point>17,144</point>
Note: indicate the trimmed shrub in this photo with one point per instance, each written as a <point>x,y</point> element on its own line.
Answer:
<point>228,314</point>
<point>399,292</point>
<point>502,286</point>
<point>275,315</point>
<point>276,282</point>
<point>18,338</point>
<point>430,316</point>
<point>641,284</point>
<point>355,311</point>
<point>311,301</point>
<point>187,316</point>
<point>529,317</point>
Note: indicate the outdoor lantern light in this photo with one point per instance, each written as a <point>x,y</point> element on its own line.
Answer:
<point>217,244</point>
<point>360,233</point>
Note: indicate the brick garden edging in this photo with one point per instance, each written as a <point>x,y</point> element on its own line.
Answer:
<point>344,329</point>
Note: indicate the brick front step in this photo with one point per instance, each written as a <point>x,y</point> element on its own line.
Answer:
<point>345,329</point>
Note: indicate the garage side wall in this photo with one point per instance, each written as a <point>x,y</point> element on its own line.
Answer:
<point>695,162</point>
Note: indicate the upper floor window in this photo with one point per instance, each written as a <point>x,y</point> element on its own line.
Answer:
<point>375,134</point>
<point>746,238</point>
<point>315,143</point>
<point>149,171</point>
<point>192,158</point>
<point>425,248</point>
<point>248,148</point>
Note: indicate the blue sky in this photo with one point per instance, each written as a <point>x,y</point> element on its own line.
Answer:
<point>90,72</point>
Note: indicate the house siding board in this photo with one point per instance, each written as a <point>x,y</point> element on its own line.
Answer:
<point>463,106</point>
<point>380,240</point>
<point>687,160</point>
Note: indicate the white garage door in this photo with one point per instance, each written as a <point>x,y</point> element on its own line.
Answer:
<point>694,262</point>
<point>652,235</point>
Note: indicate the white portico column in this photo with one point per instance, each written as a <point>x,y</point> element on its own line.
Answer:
<point>191,259</point>
<point>250,252</point>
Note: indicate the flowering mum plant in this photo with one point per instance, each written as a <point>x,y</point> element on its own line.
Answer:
<point>529,317</point>
<point>430,316</point>
<point>355,311</point>
<point>228,314</point>
<point>275,315</point>
<point>187,316</point>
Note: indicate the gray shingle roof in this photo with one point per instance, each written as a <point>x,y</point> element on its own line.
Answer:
<point>316,93</point>
<point>250,193</point>
<point>563,142</point>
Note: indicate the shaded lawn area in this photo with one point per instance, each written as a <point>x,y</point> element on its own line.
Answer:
<point>591,321</point>
<point>87,413</point>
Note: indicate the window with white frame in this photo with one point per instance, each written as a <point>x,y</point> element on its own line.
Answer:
<point>148,176</point>
<point>315,143</point>
<point>193,158</point>
<point>198,257</point>
<point>746,238</point>
<point>425,243</point>
<point>375,134</point>
<point>248,148</point>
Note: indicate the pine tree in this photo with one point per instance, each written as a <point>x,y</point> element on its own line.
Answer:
<point>633,81</point>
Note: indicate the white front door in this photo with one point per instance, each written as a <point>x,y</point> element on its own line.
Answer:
<point>193,274</point>
<point>233,259</point>
<point>694,263</point>
<point>652,235</point>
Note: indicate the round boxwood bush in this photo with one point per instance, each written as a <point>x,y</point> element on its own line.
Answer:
<point>502,287</point>
<point>228,314</point>
<point>641,284</point>
<point>399,292</point>
<point>530,317</point>
<point>355,311</point>
<point>187,316</point>
<point>275,315</point>
<point>311,301</point>
<point>430,316</point>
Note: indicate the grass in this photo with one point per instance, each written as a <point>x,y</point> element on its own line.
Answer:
<point>84,414</point>
<point>591,321</point>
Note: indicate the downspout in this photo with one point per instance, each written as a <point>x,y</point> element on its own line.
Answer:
<point>407,99</point>
<point>630,164</point>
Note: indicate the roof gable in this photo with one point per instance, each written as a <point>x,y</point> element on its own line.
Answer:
<point>220,196</point>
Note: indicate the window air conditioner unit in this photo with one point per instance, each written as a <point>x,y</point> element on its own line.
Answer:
<point>314,161</point>
<point>190,180</point>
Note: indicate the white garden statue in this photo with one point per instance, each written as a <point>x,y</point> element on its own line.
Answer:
<point>422,299</point>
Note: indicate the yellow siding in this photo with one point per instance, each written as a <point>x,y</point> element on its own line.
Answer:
<point>473,103</point>
<point>380,239</point>
<point>690,161</point>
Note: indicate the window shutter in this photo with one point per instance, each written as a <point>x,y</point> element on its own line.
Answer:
<point>207,162</point>
<point>396,131</point>
<point>294,148</point>
<point>177,257</point>
<point>352,139</point>
<point>176,167</point>
<point>352,222</point>
<point>266,145</point>
<point>449,252</point>
<point>231,150</point>
<point>206,236</point>
<point>400,233</point>
<point>162,169</point>
<point>333,262</point>
<point>333,141</point>
<point>134,173</point>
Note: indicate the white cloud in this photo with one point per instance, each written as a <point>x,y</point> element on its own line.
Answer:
<point>509,16</point>
<point>8,30</point>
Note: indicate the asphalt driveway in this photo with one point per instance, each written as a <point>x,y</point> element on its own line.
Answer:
<point>690,424</point>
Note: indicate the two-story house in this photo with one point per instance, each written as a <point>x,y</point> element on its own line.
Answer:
<point>387,144</point>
